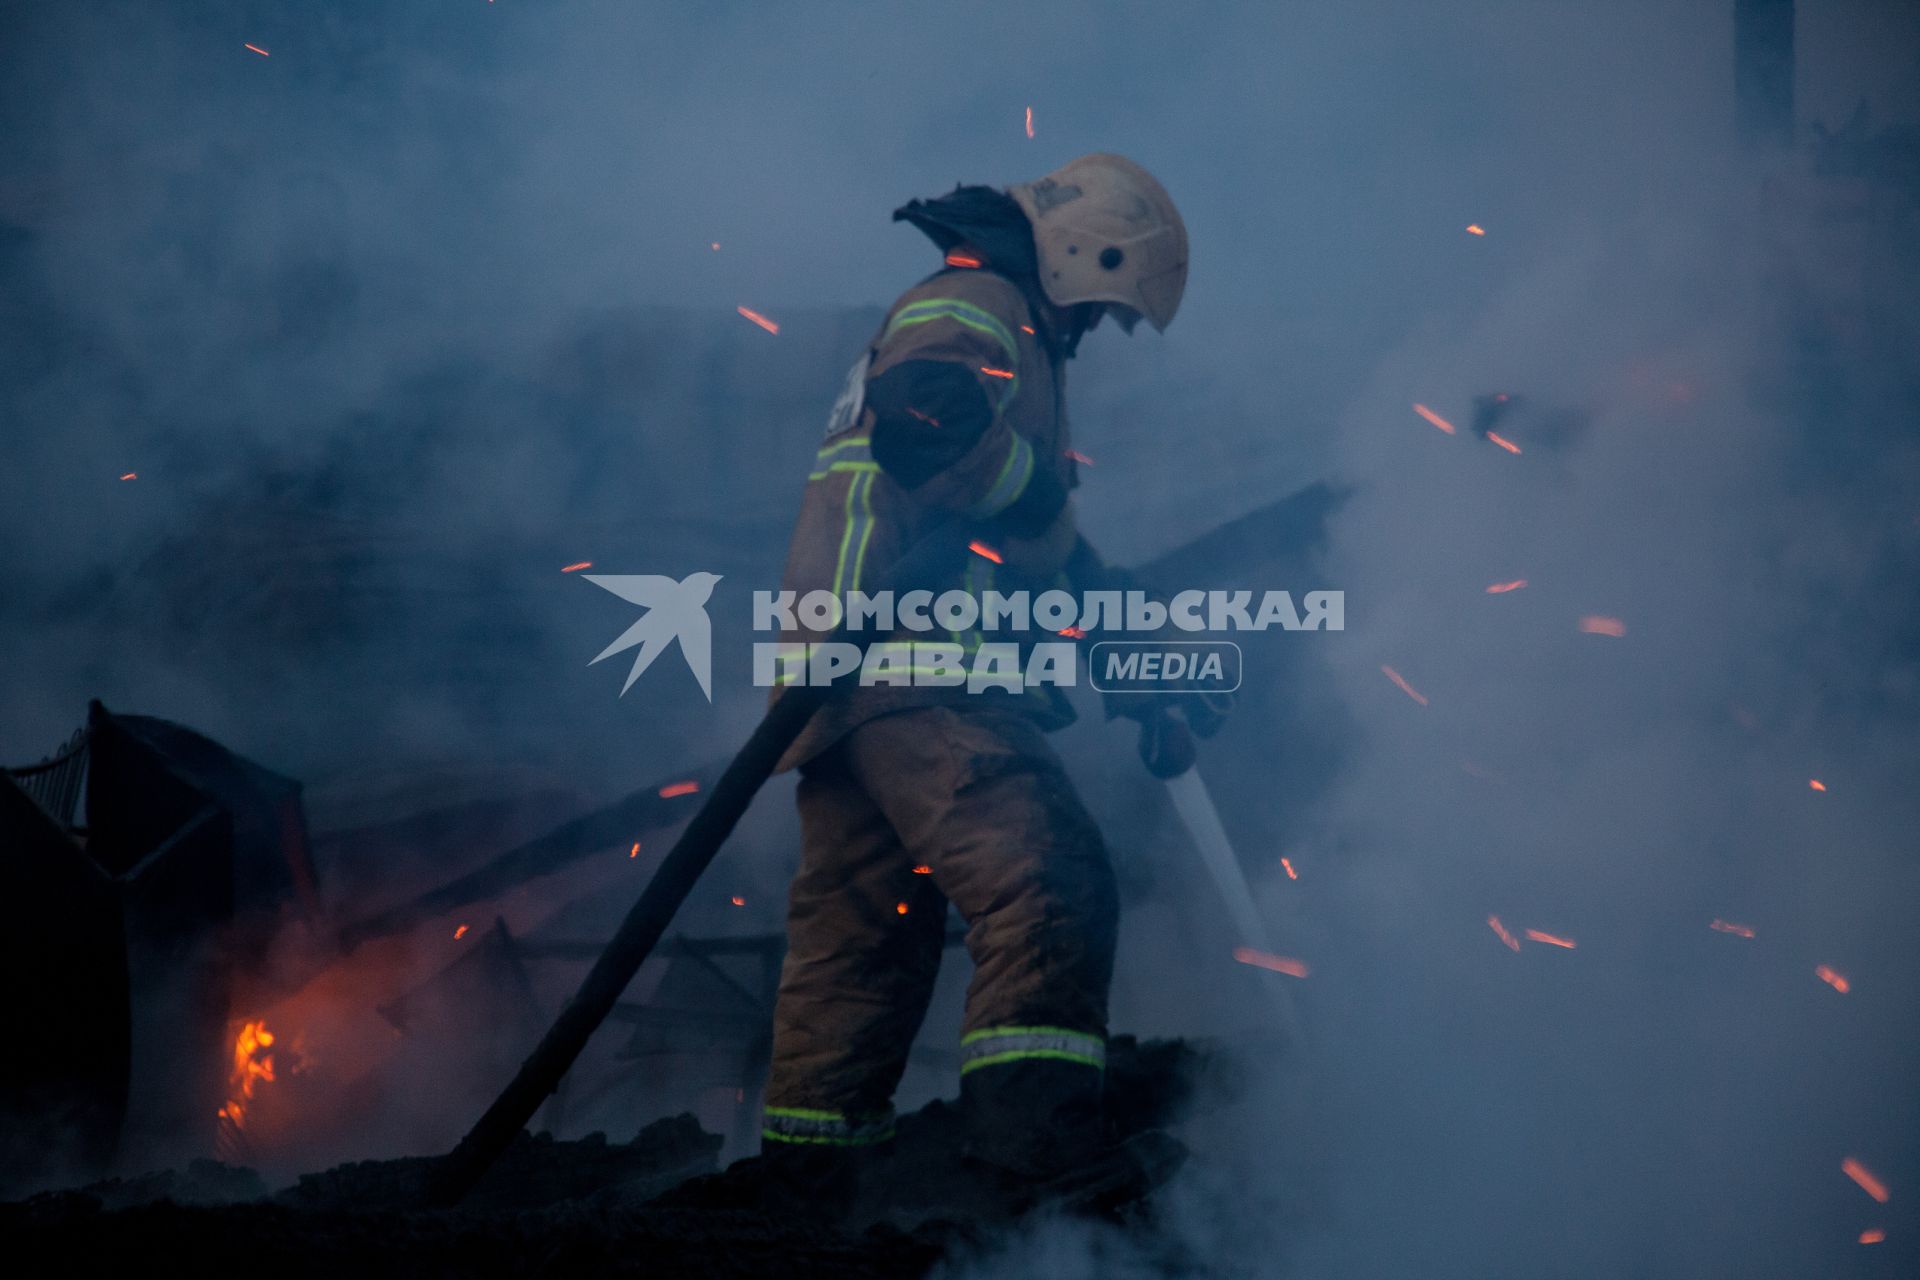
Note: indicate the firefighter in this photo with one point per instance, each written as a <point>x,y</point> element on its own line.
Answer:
<point>912,797</point>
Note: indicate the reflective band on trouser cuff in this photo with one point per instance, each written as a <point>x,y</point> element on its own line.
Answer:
<point>992,1045</point>
<point>1009,484</point>
<point>961,312</point>
<point>824,1128</point>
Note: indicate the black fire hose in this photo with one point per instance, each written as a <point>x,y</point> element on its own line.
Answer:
<point>458,1171</point>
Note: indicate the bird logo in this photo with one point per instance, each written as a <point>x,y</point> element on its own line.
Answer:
<point>674,611</point>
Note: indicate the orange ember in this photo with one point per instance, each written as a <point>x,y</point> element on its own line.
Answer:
<point>1816,785</point>
<point>900,907</point>
<point>1833,978</point>
<point>1475,229</point>
<point>738,901</point>
<point>575,568</point>
<point>1862,1175</point>
<point>257,49</point>
<point>1286,864</point>
<point>673,789</point>
<point>1405,688</point>
<point>1534,935</point>
<point>1872,1235</point>
<point>1595,624</point>
<point>1080,457</point>
<point>715,246</point>
<point>460,933</point>
<point>758,319</point>
<point>1727,926</point>
<point>923,870</point>
<point>1434,418</point>
<point>1493,923</point>
<point>982,549</point>
<point>131,475</point>
<point>1074,633</point>
<point>1267,960</point>
<point>1029,122</point>
<point>1026,328</point>
<point>1503,442</point>
<point>1501,588</point>
<point>635,851</point>
<point>962,260</point>
<point>992,372</point>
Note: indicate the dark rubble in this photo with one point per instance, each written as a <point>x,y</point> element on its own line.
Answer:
<point>656,1205</point>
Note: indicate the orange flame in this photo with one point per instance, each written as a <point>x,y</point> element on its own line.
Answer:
<point>1534,935</point>
<point>1405,688</point>
<point>673,789</point>
<point>251,1064</point>
<point>1596,624</point>
<point>1833,978</point>
<point>1862,1175</point>
<point>1503,442</point>
<point>1267,960</point>
<point>575,568</point>
<point>1727,926</point>
<point>758,319</point>
<point>982,549</point>
<point>1501,588</point>
<point>1434,418</point>
<point>1475,229</point>
<point>1493,923</point>
<point>1286,864</point>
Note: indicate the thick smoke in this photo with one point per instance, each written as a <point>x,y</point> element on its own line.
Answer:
<point>398,319</point>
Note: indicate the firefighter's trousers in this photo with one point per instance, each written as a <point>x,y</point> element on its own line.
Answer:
<point>908,812</point>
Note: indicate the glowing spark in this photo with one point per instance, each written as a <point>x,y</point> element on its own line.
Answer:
<point>1727,926</point>
<point>1405,688</point>
<point>1493,923</point>
<point>1080,457</point>
<point>1286,864</point>
<point>1596,624</point>
<point>1074,633</point>
<point>996,373</point>
<point>1816,784</point>
<point>1872,1235</point>
<point>1434,418</point>
<point>1475,229</point>
<point>1501,588</point>
<point>1029,122</point>
<point>1833,978</point>
<point>460,933</point>
<point>738,901</point>
<point>758,319</point>
<point>1266,960</point>
<point>1868,1183</point>
<point>962,260</point>
<point>982,549</point>
<point>575,568</point>
<point>923,870</point>
<point>1503,442</point>
<point>131,475</point>
<point>900,907</point>
<point>635,851</point>
<point>673,789</point>
<point>714,245</point>
<point>1534,935</point>
<point>257,49</point>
